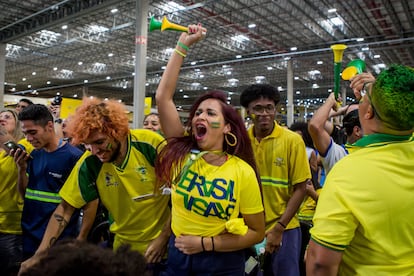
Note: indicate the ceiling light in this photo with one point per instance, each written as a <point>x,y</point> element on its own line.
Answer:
<point>332,10</point>
<point>55,68</point>
<point>377,56</point>
<point>58,93</point>
<point>48,82</point>
<point>23,79</point>
<point>75,96</point>
<point>64,27</point>
<point>108,77</point>
<point>315,85</point>
<point>319,62</point>
<point>185,96</point>
<point>296,78</point>
<point>29,86</point>
<point>286,58</point>
<point>365,48</point>
<point>193,63</point>
<point>110,55</point>
<point>337,21</point>
<point>238,56</point>
<point>85,81</point>
<point>114,10</point>
<point>34,73</point>
<point>297,92</point>
<point>293,48</point>
<point>269,68</point>
<point>360,39</point>
<point>252,25</point>
<point>240,38</point>
<point>80,63</point>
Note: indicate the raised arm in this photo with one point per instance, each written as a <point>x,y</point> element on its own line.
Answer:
<point>169,117</point>
<point>320,136</point>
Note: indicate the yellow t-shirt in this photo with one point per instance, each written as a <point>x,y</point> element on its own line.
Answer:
<point>366,208</point>
<point>136,222</point>
<point>11,204</point>
<point>207,196</point>
<point>282,161</point>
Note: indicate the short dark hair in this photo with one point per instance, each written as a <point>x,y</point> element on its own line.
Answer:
<point>29,102</point>
<point>72,257</point>
<point>350,120</point>
<point>257,91</point>
<point>38,113</point>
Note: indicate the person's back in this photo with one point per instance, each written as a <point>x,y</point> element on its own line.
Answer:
<point>362,224</point>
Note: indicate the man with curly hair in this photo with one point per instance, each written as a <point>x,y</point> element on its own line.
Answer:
<point>362,224</point>
<point>119,170</point>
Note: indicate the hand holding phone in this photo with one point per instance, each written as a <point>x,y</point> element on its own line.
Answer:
<point>11,145</point>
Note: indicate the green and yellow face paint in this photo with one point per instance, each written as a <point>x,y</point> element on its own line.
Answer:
<point>215,124</point>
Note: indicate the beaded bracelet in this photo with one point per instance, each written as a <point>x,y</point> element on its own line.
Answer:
<point>182,45</point>
<point>180,53</point>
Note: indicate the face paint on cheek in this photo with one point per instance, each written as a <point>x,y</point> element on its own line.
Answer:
<point>253,116</point>
<point>109,146</point>
<point>215,124</point>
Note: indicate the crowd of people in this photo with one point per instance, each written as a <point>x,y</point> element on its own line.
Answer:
<point>200,198</point>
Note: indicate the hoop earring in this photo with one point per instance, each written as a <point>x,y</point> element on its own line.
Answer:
<point>233,137</point>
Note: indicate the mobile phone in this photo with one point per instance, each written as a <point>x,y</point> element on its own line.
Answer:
<point>11,145</point>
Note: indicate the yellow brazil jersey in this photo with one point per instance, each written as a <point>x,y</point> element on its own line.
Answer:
<point>282,162</point>
<point>207,196</point>
<point>11,204</point>
<point>127,191</point>
<point>366,206</point>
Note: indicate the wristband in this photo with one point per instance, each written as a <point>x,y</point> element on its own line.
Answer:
<point>180,53</point>
<point>202,244</point>
<point>182,45</point>
<point>284,226</point>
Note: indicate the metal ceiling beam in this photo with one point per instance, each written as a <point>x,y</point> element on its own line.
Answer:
<point>51,16</point>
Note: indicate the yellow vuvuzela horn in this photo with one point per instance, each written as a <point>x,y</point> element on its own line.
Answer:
<point>338,50</point>
<point>167,25</point>
<point>357,66</point>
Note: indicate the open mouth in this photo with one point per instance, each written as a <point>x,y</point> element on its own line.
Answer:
<point>200,132</point>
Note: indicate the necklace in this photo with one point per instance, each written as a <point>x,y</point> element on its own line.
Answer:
<point>194,156</point>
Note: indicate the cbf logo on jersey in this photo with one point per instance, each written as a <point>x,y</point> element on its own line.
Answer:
<point>199,194</point>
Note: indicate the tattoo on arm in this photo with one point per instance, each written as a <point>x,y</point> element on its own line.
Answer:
<point>62,223</point>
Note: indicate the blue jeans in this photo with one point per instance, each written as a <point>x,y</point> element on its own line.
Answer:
<point>10,253</point>
<point>204,263</point>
